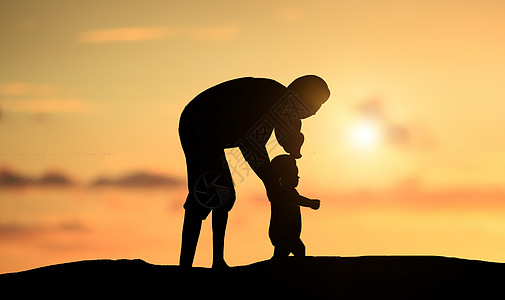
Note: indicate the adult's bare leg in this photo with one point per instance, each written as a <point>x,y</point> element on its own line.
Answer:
<point>219,221</point>
<point>190,234</point>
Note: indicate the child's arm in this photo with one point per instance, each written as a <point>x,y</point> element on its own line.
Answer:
<point>312,203</point>
<point>297,199</point>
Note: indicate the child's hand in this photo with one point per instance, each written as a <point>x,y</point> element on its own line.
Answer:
<point>315,204</point>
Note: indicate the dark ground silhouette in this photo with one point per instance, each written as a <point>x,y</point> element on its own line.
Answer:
<point>370,277</point>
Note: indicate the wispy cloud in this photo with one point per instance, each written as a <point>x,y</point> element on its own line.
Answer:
<point>47,105</point>
<point>134,34</point>
<point>12,179</point>
<point>214,33</point>
<point>291,14</point>
<point>27,97</point>
<point>141,180</point>
<point>19,88</point>
<point>18,232</point>
<point>130,34</point>
<point>397,133</point>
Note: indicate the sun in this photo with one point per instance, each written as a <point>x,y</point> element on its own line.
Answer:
<point>365,134</point>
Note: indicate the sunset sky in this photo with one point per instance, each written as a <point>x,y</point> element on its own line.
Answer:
<point>407,156</point>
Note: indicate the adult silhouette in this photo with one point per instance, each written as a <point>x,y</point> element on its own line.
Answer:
<point>238,113</point>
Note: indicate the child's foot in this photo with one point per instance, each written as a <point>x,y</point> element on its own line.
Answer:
<point>279,259</point>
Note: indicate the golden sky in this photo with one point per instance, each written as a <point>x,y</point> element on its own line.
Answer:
<point>111,78</point>
<point>93,88</point>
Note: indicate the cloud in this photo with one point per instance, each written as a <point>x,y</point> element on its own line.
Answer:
<point>414,193</point>
<point>397,133</point>
<point>9,178</point>
<point>134,34</point>
<point>215,33</point>
<point>71,225</point>
<point>371,107</point>
<point>26,97</point>
<point>129,34</point>
<point>140,180</point>
<point>17,232</point>
<point>47,105</point>
<point>413,134</point>
<point>54,179</point>
<point>291,14</point>
<point>12,179</point>
<point>19,88</point>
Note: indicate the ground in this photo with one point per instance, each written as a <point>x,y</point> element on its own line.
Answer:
<point>400,277</point>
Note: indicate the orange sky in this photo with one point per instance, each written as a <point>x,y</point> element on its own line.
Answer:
<point>93,88</point>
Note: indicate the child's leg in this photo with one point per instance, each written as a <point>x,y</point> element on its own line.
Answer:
<point>280,252</point>
<point>298,248</point>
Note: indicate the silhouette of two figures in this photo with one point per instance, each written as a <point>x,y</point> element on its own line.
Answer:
<point>242,113</point>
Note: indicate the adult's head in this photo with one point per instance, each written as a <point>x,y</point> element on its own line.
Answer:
<point>312,90</point>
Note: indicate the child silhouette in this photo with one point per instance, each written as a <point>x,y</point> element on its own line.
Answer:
<point>286,220</point>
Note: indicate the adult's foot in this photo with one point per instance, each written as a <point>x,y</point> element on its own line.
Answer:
<point>220,265</point>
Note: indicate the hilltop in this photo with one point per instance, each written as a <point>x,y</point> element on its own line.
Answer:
<point>401,277</point>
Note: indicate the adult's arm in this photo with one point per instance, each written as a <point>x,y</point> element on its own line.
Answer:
<point>290,137</point>
<point>257,158</point>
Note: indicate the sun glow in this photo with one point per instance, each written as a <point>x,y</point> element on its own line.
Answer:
<point>365,134</point>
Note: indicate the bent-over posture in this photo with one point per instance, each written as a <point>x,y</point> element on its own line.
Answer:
<point>237,113</point>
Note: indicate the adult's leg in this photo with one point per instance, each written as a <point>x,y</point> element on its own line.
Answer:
<point>220,214</point>
<point>206,167</point>
<point>190,233</point>
<point>219,221</point>
<point>211,170</point>
<point>192,220</point>
<point>194,212</point>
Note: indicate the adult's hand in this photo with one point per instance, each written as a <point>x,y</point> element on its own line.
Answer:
<point>292,144</point>
<point>296,155</point>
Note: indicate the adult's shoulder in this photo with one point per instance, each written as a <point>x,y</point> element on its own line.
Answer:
<point>264,89</point>
<point>266,82</point>
<point>253,81</point>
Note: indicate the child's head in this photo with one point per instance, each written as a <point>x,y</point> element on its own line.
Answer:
<point>285,170</point>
